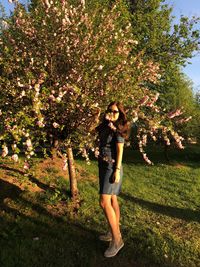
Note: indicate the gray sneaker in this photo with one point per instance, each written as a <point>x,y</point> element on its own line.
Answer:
<point>113,249</point>
<point>106,237</point>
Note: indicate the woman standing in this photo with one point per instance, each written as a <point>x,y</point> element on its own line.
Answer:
<point>112,132</point>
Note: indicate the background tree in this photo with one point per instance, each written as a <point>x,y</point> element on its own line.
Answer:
<point>163,41</point>
<point>172,45</point>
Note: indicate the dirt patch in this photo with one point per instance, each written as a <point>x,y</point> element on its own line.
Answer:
<point>51,167</point>
<point>20,180</point>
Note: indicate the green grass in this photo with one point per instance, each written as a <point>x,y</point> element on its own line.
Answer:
<point>160,215</point>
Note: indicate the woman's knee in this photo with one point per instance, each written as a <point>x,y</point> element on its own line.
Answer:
<point>101,203</point>
<point>114,200</point>
<point>105,201</point>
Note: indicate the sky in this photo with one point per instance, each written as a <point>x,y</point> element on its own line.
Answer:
<point>187,8</point>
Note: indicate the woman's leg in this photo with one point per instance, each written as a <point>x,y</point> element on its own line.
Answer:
<point>116,208</point>
<point>106,204</point>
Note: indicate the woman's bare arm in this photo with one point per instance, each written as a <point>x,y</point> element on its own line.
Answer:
<point>120,149</point>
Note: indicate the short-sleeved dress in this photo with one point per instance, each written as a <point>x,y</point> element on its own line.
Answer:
<point>107,161</point>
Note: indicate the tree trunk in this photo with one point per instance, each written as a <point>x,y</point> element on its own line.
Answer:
<point>72,174</point>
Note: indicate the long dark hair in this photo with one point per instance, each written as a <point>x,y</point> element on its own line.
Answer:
<point>121,124</point>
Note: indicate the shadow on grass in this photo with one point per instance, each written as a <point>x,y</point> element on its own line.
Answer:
<point>11,194</point>
<point>30,235</point>
<point>180,213</point>
<point>30,177</point>
<point>189,156</point>
<point>5,167</point>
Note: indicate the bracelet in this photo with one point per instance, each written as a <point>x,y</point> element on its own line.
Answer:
<point>117,168</point>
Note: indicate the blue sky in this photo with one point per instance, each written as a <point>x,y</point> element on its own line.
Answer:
<point>180,7</point>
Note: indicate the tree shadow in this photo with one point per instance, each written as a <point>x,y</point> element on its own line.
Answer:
<point>30,177</point>
<point>10,192</point>
<point>5,167</point>
<point>18,229</point>
<point>43,239</point>
<point>180,213</point>
<point>188,156</point>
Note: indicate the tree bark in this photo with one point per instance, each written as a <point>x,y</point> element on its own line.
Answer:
<point>72,174</point>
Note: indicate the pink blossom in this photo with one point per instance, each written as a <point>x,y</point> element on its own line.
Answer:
<point>135,42</point>
<point>144,139</point>
<point>15,157</point>
<point>188,119</point>
<point>144,100</point>
<point>149,104</point>
<point>52,97</point>
<point>64,22</point>
<point>65,166</point>
<point>184,120</point>
<point>23,93</point>
<point>100,67</point>
<point>40,123</point>
<point>14,146</point>
<point>55,125</point>
<point>46,63</point>
<point>47,3</point>
<point>20,84</point>
<point>147,159</point>
<point>5,24</point>
<point>58,99</point>
<point>83,3</point>
<point>135,116</point>
<point>180,145</point>
<point>88,161</point>
<point>155,98</point>
<point>167,141</point>
<point>4,154</point>
<point>37,87</point>
<point>4,151</point>
<point>156,109</point>
<point>26,165</point>
<point>175,113</point>
<point>29,143</point>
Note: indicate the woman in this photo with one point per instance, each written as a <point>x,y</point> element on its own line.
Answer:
<point>112,132</point>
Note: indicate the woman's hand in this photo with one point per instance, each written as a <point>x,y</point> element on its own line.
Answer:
<point>116,176</point>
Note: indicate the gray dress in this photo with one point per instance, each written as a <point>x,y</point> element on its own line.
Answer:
<point>107,161</point>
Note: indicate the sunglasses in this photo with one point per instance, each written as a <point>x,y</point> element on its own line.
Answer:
<point>112,111</point>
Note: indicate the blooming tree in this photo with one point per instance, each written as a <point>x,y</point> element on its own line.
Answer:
<point>60,67</point>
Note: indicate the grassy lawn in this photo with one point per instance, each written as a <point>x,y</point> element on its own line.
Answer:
<point>160,214</point>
